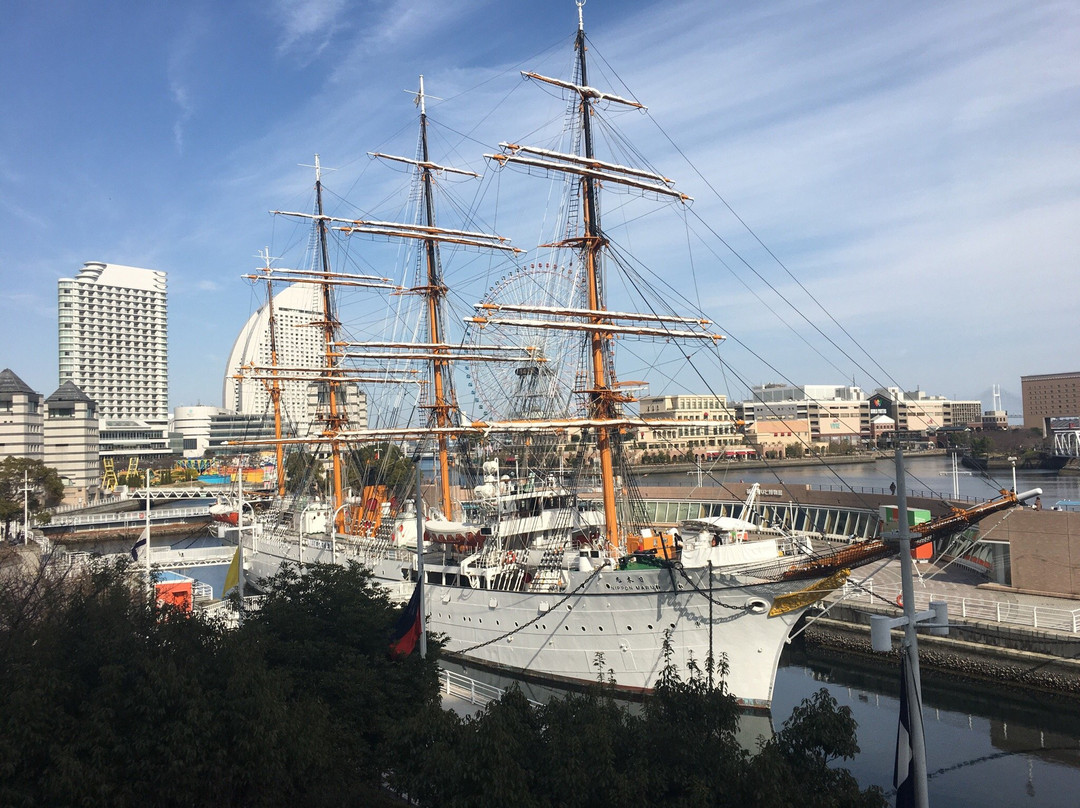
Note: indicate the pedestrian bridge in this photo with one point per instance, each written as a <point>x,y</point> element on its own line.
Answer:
<point>86,521</point>
<point>166,557</point>
<point>1067,444</point>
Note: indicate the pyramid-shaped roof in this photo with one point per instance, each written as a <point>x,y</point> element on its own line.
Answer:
<point>10,383</point>
<point>68,391</point>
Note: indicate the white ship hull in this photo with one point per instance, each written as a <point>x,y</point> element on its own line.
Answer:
<point>609,623</point>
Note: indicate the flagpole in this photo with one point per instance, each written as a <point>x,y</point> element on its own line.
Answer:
<point>149,580</point>
<point>420,559</point>
<point>240,532</point>
<point>910,644</point>
<point>26,506</point>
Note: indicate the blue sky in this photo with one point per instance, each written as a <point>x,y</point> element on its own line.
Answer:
<point>915,166</point>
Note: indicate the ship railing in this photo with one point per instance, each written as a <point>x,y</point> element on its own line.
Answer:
<point>475,692</point>
<point>912,493</point>
<point>1005,612</point>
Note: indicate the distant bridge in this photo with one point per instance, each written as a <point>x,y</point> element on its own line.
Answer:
<point>125,519</point>
<point>166,557</point>
<point>1067,444</point>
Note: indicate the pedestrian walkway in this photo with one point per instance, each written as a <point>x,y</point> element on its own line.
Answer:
<point>969,595</point>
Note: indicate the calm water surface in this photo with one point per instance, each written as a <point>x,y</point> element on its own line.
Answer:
<point>926,476</point>
<point>986,745</point>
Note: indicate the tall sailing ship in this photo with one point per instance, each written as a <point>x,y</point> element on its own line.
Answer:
<point>536,552</point>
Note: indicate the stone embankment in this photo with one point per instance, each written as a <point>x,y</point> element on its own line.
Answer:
<point>1028,656</point>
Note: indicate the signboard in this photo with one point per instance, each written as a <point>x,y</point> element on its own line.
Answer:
<point>1064,423</point>
<point>881,405</point>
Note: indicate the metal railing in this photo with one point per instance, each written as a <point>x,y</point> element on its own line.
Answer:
<point>129,516</point>
<point>463,687</point>
<point>912,493</point>
<point>964,608</point>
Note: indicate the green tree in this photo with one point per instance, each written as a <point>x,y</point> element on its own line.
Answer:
<point>111,700</point>
<point>46,488</point>
<point>303,473</point>
<point>381,464</point>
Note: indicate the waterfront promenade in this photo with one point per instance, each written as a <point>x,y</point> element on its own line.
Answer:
<point>996,633</point>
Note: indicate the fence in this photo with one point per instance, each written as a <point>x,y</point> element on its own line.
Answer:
<point>462,687</point>
<point>129,517</point>
<point>992,611</point>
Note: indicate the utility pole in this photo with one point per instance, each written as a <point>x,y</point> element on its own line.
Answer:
<point>911,748</point>
<point>26,505</point>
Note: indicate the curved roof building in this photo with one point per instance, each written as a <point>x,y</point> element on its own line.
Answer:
<point>299,344</point>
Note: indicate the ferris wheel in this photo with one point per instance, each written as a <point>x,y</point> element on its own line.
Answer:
<point>542,386</point>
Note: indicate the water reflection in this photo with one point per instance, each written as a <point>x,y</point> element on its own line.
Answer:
<point>987,745</point>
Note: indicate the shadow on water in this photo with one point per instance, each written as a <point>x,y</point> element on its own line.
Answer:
<point>1007,704</point>
<point>987,744</point>
<point>752,725</point>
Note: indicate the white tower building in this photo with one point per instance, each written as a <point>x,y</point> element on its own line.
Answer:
<point>297,310</point>
<point>113,329</point>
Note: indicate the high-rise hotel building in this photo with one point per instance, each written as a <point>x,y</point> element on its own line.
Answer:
<point>114,340</point>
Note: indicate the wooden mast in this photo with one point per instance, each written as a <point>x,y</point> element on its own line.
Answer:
<point>434,291</point>
<point>601,401</point>
<point>275,383</point>
<point>335,418</point>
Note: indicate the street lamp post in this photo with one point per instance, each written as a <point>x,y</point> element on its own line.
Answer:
<point>1013,461</point>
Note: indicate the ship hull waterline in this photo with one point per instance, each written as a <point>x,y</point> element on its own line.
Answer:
<point>608,624</point>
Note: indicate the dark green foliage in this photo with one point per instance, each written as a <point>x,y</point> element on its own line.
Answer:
<point>46,487</point>
<point>679,749</point>
<point>380,464</point>
<point>303,473</point>
<point>107,700</point>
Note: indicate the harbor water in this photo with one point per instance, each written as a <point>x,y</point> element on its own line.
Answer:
<point>986,745</point>
<point>926,476</point>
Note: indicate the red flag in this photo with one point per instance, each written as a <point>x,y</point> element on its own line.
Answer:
<point>407,630</point>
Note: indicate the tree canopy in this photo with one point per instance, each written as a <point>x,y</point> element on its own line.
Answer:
<point>46,487</point>
<point>111,699</point>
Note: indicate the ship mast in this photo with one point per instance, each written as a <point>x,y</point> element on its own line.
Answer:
<point>335,419</point>
<point>274,387</point>
<point>602,403</point>
<point>604,398</point>
<point>443,407</point>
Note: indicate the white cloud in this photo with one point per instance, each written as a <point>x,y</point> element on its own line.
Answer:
<point>307,26</point>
